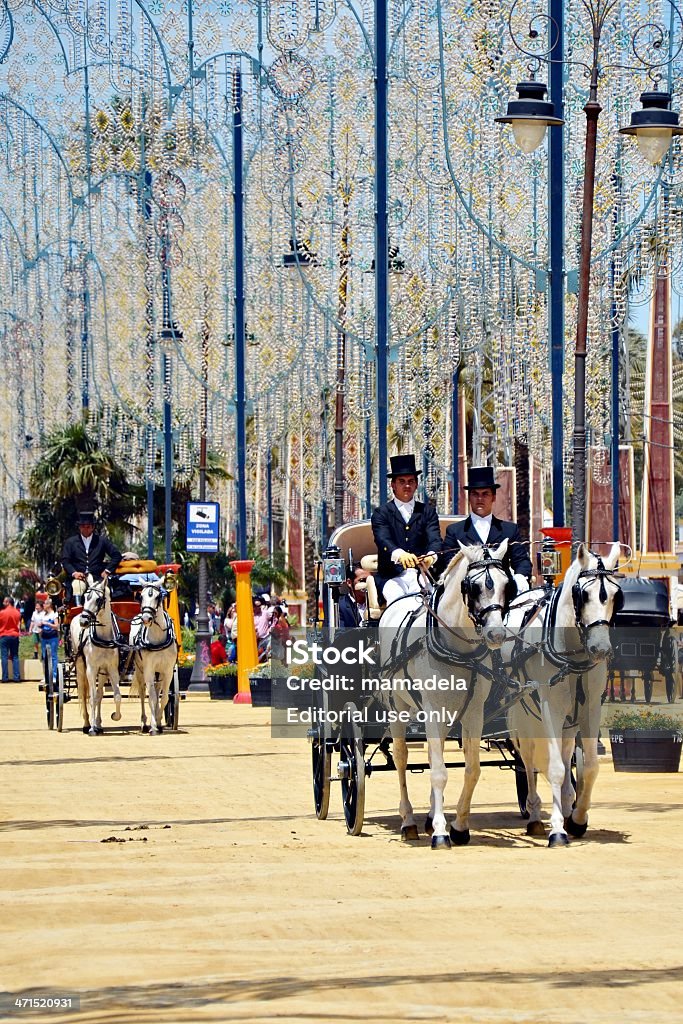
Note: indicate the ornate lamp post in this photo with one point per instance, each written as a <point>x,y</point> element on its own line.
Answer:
<point>654,127</point>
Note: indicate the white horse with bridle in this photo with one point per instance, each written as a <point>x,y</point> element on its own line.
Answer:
<point>449,637</point>
<point>153,639</point>
<point>95,642</point>
<point>562,643</point>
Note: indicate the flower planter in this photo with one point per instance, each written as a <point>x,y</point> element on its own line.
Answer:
<point>642,750</point>
<point>222,687</point>
<point>184,676</point>
<point>261,691</point>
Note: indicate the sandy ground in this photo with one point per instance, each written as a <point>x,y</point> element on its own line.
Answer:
<point>229,901</point>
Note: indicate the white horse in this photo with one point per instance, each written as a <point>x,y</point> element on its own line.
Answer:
<point>95,645</point>
<point>152,636</point>
<point>449,641</point>
<point>561,647</point>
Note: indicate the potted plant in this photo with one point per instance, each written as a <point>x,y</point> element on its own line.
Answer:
<point>222,681</point>
<point>261,684</point>
<point>645,741</point>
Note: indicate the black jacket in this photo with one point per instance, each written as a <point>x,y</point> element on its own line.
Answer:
<point>418,536</point>
<point>517,555</point>
<point>102,555</point>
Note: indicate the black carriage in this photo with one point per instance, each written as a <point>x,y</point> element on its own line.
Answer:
<point>357,757</point>
<point>643,640</point>
<point>125,606</point>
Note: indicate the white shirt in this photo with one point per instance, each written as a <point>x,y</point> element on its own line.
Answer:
<point>406,508</point>
<point>482,524</point>
<point>86,542</point>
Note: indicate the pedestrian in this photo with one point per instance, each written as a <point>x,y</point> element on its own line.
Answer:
<point>35,626</point>
<point>217,651</point>
<point>49,635</point>
<point>262,622</point>
<point>9,639</point>
<point>279,633</point>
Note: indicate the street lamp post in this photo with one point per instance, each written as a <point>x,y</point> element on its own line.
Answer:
<point>654,126</point>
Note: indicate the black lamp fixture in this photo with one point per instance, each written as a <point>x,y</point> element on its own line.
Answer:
<point>654,126</point>
<point>530,115</point>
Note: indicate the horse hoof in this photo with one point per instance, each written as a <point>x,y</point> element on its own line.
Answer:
<point>441,842</point>
<point>144,728</point>
<point>536,828</point>
<point>429,828</point>
<point>460,838</point>
<point>115,716</point>
<point>409,833</point>
<point>574,828</point>
<point>86,729</point>
<point>558,839</point>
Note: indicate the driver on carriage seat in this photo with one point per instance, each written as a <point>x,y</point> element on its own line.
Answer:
<point>88,553</point>
<point>406,534</point>
<point>482,527</point>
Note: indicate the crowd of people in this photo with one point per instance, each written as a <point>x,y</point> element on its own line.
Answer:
<point>270,624</point>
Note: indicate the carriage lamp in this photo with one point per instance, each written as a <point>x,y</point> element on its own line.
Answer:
<point>170,580</point>
<point>549,561</point>
<point>530,115</point>
<point>654,126</point>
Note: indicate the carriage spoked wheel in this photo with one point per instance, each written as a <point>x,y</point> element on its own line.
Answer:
<point>521,784</point>
<point>352,772</point>
<point>321,758</point>
<point>59,698</point>
<point>49,688</point>
<point>321,763</point>
<point>172,709</point>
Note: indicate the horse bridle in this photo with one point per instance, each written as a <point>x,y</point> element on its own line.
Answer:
<point>89,616</point>
<point>579,595</point>
<point>153,609</point>
<point>484,565</point>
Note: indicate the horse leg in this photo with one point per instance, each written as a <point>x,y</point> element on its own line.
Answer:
<point>577,821</point>
<point>568,791</point>
<point>527,751</point>
<point>82,686</point>
<point>460,829</point>
<point>153,698</point>
<point>439,778</point>
<point>400,755</point>
<point>92,692</point>
<point>552,715</point>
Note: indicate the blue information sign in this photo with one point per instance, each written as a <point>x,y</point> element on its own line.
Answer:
<point>203,518</point>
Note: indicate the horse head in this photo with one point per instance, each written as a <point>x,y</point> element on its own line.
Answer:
<point>151,600</point>
<point>94,600</point>
<point>595,596</point>
<point>487,589</point>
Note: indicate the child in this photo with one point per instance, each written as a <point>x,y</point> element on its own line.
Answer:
<point>35,627</point>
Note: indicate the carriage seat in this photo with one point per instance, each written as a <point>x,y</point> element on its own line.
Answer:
<point>359,539</point>
<point>124,612</point>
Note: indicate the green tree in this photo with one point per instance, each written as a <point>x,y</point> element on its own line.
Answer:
<point>72,473</point>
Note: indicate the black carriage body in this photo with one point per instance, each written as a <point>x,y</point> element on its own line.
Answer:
<point>640,625</point>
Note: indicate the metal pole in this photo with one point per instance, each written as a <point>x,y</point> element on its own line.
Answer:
<point>168,454</point>
<point>556,202</point>
<point>381,242</point>
<point>269,499</point>
<point>455,438</point>
<point>240,341</point>
<point>203,634</point>
<point>344,255</point>
<point>592,112</point>
<point>616,335</point>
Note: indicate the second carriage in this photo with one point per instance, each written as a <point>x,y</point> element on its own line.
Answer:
<point>61,686</point>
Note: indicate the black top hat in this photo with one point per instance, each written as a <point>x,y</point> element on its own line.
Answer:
<point>84,518</point>
<point>480,477</point>
<point>403,465</point>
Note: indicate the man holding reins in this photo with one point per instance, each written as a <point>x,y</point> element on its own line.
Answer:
<point>88,552</point>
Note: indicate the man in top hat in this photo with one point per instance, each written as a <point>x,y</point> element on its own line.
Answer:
<point>88,552</point>
<point>406,533</point>
<point>482,527</point>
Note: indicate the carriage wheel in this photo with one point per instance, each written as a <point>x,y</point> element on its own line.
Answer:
<point>49,688</point>
<point>321,762</point>
<point>59,697</point>
<point>577,780</point>
<point>521,785</point>
<point>647,686</point>
<point>172,709</point>
<point>352,771</point>
<point>670,678</point>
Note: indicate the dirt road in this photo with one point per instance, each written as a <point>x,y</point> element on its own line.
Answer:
<point>186,878</point>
